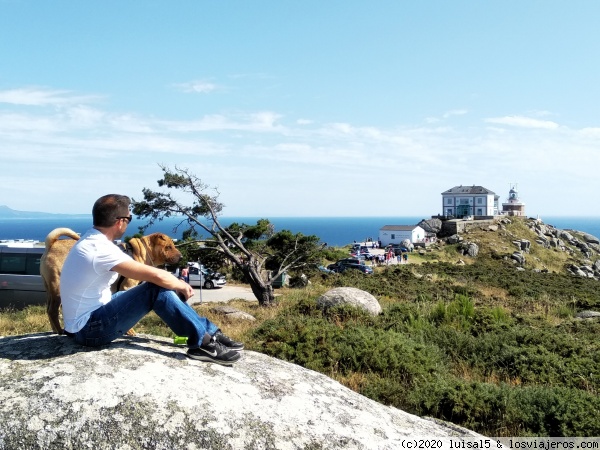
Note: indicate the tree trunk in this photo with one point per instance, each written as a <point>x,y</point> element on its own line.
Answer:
<point>261,290</point>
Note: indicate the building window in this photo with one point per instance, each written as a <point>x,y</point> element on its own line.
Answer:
<point>479,201</point>
<point>393,237</point>
<point>448,201</point>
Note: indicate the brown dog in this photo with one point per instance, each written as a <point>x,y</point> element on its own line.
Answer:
<point>154,250</point>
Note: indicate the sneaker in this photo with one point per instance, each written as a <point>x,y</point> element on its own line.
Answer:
<point>227,341</point>
<point>214,352</point>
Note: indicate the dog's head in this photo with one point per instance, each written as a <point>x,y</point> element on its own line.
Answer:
<point>163,249</point>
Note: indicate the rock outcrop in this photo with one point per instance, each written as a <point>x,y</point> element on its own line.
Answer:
<point>468,249</point>
<point>433,226</point>
<point>143,393</point>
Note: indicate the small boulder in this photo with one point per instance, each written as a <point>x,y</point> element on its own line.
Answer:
<point>454,239</point>
<point>588,315</point>
<point>518,257</point>
<point>229,312</point>
<point>350,296</point>
<point>469,249</point>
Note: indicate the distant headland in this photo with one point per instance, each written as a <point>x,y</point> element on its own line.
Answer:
<point>9,213</point>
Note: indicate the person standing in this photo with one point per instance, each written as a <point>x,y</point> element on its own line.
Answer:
<point>93,316</point>
<point>185,273</point>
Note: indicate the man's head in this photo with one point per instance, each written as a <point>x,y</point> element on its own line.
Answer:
<point>111,208</point>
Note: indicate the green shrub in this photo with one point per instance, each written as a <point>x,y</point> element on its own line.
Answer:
<point>502,410</point>
<point>556,411</point>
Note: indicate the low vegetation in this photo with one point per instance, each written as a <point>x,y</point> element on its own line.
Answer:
<point>483,345</point>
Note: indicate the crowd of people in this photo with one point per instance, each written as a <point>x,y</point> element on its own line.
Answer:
<point>381,256</point>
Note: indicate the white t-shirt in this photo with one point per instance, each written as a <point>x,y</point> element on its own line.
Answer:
<point>86,277</point>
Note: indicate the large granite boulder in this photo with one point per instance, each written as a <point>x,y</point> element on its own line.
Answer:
<point>142,392</point>
<point>407,244</point>
<point>431,225</point>
<point>350,296</point>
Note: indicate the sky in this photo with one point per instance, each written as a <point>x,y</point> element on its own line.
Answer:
<point>301,108</point>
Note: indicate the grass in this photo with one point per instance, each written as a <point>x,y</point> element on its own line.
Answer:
<point>482,345</point>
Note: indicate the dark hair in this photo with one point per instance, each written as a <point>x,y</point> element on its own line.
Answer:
<point>108,207</point>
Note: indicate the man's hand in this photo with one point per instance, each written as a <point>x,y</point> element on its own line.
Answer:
<point>186,292</point>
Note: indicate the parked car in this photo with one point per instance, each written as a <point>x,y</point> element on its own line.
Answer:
<point>203,276</point>
<point>324,269</point>
<point>342,264</point>
<point>361,267</point>
<point>345,261</point>
<point>368,256</point>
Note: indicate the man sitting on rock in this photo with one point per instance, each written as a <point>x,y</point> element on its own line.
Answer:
<point>93,316</point>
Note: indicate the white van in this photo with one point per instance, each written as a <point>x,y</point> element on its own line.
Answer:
<point>20,282</point>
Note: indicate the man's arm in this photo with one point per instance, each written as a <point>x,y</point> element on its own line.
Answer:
<point>142,272</point>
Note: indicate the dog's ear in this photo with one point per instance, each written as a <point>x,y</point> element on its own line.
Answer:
<point>138,250</point>
<point>156,238</point>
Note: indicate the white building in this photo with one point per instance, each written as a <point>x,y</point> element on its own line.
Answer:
<point>469,201</point>
<point>395,234</point>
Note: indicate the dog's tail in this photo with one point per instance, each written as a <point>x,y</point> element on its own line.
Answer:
<point>55,235</point>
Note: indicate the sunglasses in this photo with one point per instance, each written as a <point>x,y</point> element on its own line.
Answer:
<point>127,218</point>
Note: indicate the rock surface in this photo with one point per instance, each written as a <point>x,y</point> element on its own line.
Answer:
<point>142,392</point>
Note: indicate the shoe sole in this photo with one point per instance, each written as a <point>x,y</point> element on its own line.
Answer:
<point>222,362</point>
<point>236,349</point>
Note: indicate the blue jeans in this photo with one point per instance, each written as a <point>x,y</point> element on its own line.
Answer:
<point>126,309</point>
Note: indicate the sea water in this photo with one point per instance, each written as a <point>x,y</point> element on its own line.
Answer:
<point>335,231</point>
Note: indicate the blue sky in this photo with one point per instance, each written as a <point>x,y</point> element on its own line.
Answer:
<point>301,108</point>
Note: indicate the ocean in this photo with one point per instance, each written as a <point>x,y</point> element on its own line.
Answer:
<point>335,231</point>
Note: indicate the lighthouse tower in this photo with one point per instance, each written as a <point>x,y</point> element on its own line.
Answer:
<point>513,206</point>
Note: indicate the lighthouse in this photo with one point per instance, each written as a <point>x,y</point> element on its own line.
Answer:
<point>513,205</point>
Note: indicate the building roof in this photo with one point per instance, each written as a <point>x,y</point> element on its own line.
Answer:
<point>468,190</point>
<point>398,227</point>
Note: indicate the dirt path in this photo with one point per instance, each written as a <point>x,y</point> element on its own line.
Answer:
<point>223,294</point>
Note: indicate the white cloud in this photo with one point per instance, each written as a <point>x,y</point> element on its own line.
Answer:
<point>455,112</point>
<point>259,121</point>
<point>593,132</point>
<point>34,96</point>
<point>446,115</point>
<point>196,87</point>
<point>524,122</point>
<point>246,154</point>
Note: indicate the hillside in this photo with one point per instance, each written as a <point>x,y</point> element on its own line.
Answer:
<point>503,342</point>
<point>528,243</point>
